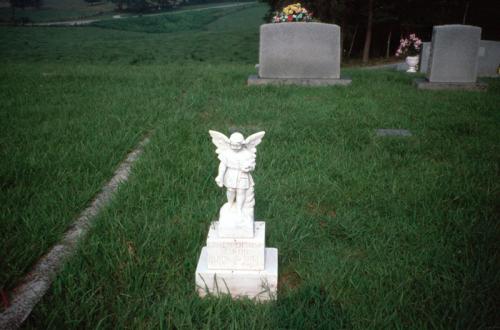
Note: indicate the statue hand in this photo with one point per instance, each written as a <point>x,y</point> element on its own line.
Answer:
<point>219,181</point>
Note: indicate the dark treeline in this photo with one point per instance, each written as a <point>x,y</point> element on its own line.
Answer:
<point>372,28</point>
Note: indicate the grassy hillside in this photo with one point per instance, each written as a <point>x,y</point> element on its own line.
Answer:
<point>53,10</point>
<point>119,42</point>
<point>372,232</point>
<point>72,112</point>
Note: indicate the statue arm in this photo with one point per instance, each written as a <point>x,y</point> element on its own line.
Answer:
<point>220,176</point>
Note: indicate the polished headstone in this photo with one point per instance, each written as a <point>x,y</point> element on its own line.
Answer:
<point>454,54</point>
<point>299,50</point>
<point>489,58</point>
<point>424,57</point>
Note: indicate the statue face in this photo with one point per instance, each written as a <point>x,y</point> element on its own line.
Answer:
<point>236,141</point>
<point>236,146</point>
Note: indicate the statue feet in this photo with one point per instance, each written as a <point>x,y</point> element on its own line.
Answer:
<point>236,223</point>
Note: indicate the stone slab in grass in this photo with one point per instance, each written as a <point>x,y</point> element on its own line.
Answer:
<point>260,285</point>
<point>403,66</point>
<point>438,86</point>
<point>393,132</point>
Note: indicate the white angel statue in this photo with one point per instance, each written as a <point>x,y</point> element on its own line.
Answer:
<point>237,159</point>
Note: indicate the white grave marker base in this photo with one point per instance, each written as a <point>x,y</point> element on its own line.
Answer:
<point>254,284</point>
<point>236,253</point>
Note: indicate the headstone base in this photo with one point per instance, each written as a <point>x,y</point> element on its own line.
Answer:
<point>254,80</point>
<point>236,253</point>
<point>425,84</point>
<point>259,285</point>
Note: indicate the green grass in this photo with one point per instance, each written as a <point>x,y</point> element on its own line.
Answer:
<point>168,23</point>
<point>79,9</point>
<point>74,105</point>
<point>53,10</point>
<point>372,232</point>
<point>91,45</point>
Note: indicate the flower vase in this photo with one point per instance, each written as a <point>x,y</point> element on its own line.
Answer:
<point>412,62</point>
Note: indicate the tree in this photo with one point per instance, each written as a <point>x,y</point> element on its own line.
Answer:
<point>382,22</point>
<point>368,35</point>
<point>92,2</point>
<point>23,4</point>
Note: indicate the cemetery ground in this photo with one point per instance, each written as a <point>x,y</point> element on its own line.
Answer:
<point>58,10</point>
<point>372,232</point>
<point>75,10</point>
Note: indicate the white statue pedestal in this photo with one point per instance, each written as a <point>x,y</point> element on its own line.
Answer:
<point>236,253</point>
<point>236,261</point>
<point>241,267</point>
<point>232,224</point>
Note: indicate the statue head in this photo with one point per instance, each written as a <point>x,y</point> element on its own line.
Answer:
<point>236,141</point>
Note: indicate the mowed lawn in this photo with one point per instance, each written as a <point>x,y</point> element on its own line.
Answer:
<point>74,105</point>
<point>372,232</point>
<point>52,10</point>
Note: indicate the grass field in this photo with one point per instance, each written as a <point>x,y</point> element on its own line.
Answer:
<point>372,232</point>
<point>53,10</point>
<point>74,108</point>
<point>69,10</point>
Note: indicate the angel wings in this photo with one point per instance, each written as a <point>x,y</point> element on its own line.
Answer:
<point>223,143</point>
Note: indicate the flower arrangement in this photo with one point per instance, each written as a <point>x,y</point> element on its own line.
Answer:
<point>293,13</point>
<point>409,46</point>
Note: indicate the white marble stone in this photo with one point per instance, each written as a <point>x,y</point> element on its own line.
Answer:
<point>259,285</point>
<point>237,157</point>
<point>236,254</point>
<point>236,260</point>
<point>232,224</point>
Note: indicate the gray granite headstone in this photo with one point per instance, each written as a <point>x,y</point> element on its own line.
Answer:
<point>487,62</point>
<point>424,56</point>
<point>299,50</point>
<point>454,54</point>
<point>488,58</point>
